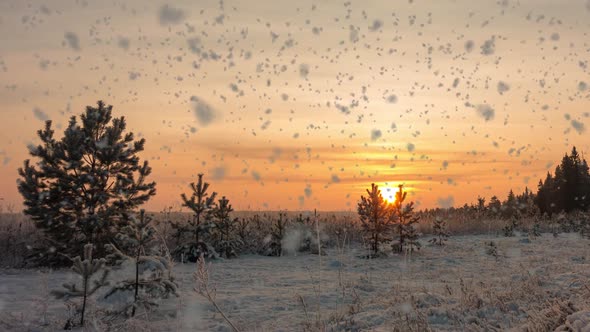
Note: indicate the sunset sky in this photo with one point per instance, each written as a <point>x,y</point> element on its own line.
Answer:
<point>303,104</point>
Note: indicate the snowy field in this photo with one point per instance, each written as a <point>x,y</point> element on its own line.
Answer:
<point>532,284</point>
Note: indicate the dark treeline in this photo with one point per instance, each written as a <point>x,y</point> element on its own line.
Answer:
<point>566,190</point>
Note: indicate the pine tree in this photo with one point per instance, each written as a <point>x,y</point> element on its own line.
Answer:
<point>244,233</point>
<point>86,269</point>
<point>225,242</point>
<point>569,189</point>
<point>274,242</point>
<point>375,217</point>
<point>495,206</point>
<point>199,227</point>
<point>509,209</point>
<point>441,234</point>
<point>411,239</point>
<point>153,275</point>
<point>492,249</point>
<point>404,221</point>
<point>481,204</point>
<point>83,184</point>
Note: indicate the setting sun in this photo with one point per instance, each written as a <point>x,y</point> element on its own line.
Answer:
<point>388,193</point>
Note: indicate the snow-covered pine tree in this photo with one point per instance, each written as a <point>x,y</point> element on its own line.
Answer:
<point>492,249</point>
<point>225,242</point>
<point>375,215</point>
<point>411,239</point>
<point>404,220</point>
<point>87,269</point>
<point>197,228</point>
<point>152,278</point>
<point>274,241</point>
<point>83,184</point>
<point>244,234</point>
<point>510,227</point>
<point>441,234</point>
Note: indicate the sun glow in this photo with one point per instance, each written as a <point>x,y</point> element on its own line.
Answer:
<point>388,193</point>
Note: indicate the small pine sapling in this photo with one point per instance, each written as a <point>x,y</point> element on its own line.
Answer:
<point>510,227</point>
<point>244,233</point>
<point>375,216</point>
<point>411,239</point>
<point>202,205</point>
<point>441,234</point>
<point>225,243</point>
<point>404,219</point>
<point>492,249</point>
<point>274,246</point>
<point>152,276</point>
<point>301,233</point>
<point>86,269</point>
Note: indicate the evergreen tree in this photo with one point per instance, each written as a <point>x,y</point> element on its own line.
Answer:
<point>404,221</point>
<point>510,227</point>
<point>86,269</point>
<point>509,207</point>
<point>199,227</point>
<point>244,233</point>
<point>481,204</point>
<point>375,216</point>
<point>274,242</point>
<point>225,243</point>
<point>83,183</point>
<point>492,249</point>
<point>152,272</point>
<point>495,206</point>
<point>568,189</point>
<point>441,234</point>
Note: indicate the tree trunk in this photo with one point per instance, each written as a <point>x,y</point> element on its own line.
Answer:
<point>136,282</point>
<point>84,300</point>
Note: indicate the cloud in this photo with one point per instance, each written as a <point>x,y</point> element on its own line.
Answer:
<point>170,15</point>
<point>218,173</point>
<point>392,99</point>
<point>303,70</point>
<point>307,191</point>
<point>488,47</point>
<point>39,114</point>
<point>123,43</point>
<point>256,176</point>
<point>578,126</point>
<point>375,134</point>
<point>503,87</point>
<point>204,112</point>
<point>72,40</point>
<point>377,24</point>
<point>469,45</point>
<point>486,111</point>
<point>446,203</point>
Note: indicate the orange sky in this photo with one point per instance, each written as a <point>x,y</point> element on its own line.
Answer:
<point>311,101</point>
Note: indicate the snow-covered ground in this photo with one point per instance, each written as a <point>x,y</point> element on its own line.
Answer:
<point>535,283</point>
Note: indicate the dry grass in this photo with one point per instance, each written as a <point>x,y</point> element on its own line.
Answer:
<point>16,233</point>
